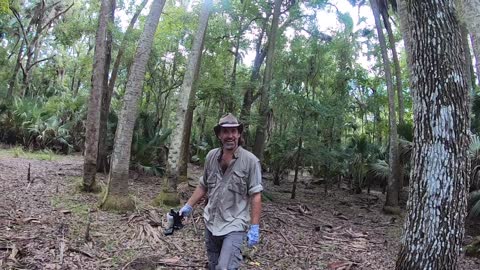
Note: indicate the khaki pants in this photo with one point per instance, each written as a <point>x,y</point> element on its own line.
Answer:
<point>224,252</point>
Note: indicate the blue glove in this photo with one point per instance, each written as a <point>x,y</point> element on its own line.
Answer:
<point>186,210</point>
<point>253,235</point>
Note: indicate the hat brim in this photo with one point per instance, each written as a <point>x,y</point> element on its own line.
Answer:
<point>218,127</point>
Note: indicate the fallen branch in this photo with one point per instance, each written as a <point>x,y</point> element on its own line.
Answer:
<point>76,250</point>
<point>288,241</point>
<point>88,238</point>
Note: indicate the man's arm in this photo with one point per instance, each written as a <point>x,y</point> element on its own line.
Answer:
<point>256,200</point>
<point>199,192</point>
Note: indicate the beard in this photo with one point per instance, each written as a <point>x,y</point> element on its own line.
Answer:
<point>230,145</point>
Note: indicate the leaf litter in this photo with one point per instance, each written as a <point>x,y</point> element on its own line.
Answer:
<point>49,224</point>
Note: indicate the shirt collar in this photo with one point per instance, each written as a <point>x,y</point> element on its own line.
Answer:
<point>236,154</point>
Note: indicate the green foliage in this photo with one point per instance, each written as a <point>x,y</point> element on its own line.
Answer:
<point>56,124</point>
<point>4,7</point>
<point>148,147</point>
<point>474,203</point>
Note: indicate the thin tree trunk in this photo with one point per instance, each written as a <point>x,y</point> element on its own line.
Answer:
<point>116,196</point>
<point>468,59</point>
<point>398,70</point>
<point>471,11</point>
<point>168,196</point>
<point>476,52</point>
<point>297,159</point>
<point>94,102</point>
<point>436,207</point>
<point>267,80</point>
<point>236,58</point>
<point>391,202</point>
<point>248,98</point>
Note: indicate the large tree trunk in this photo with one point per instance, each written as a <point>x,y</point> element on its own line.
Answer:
<point>267,80</point>
<point>94,101</point>
<point>471,11</point>
<point>436,208</point>
<point>102,161</point>
<point>102,164</point>
<point>168,195</point>
<point>117,194</point>
<point>393,179</point>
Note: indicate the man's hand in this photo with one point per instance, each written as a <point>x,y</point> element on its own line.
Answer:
<point>186,210</point>
<point>253,235</point>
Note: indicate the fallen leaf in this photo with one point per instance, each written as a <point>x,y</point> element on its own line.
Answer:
<point>14,253</point>
<point>254,263</point>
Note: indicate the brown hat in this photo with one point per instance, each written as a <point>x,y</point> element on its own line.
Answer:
<point>227,121</point>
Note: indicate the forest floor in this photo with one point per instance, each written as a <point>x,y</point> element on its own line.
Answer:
<point>47,223</point>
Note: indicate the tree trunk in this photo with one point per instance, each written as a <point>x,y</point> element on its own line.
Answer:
<point>297,159</point>
<point>468,59</point>
<point>248,97</point>
<point>393,180</point>
<point>267,80</point>
<point>185,151</point>
<point>398,70</point>
<point>436,207</point>
<point>117,194</point>
<point>471,11</point>
<point>168,195</point>
<point>94,101</point>
<point>236,55</point>
<point>102,163</point>
<point>476,52</point>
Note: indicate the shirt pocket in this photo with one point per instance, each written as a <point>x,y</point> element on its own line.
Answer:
<point>212,181</point>
<point>238,183</point>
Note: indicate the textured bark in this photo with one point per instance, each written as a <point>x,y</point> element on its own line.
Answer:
<point>94,101</point>
<point>267,80</point>
<point>436,208</point>
<point>187,93</point>
<point>394,176</point>
<point>103,164</point>
<point>471,15</point>
<point>118,177</point>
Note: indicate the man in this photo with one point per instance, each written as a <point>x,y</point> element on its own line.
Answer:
<point>233,182</point>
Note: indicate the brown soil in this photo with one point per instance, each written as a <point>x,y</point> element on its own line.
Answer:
<point>44,224</point>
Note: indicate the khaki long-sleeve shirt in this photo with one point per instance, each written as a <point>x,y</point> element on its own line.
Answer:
<point>228,207</point>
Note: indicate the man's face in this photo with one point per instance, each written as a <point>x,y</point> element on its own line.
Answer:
<point>229,137</point>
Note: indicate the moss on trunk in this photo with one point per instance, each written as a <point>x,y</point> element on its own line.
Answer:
<point>118,203</point>
<point>167,198</point>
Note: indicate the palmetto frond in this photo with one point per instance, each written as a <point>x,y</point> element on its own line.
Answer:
<point>474,203</point>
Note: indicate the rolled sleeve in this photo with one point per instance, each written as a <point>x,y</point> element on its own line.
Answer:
<point>255,184</point>
<point>201,181</point>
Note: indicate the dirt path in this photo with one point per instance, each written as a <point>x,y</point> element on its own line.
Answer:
<point>43,225</point>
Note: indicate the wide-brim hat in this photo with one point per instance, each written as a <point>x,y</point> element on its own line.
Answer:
<point>228,121</point>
